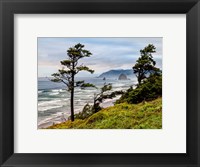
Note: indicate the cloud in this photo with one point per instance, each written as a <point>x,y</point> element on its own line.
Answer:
<point>108,53</point>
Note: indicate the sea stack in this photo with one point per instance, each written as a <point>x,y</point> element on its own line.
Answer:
<point>122,77</point>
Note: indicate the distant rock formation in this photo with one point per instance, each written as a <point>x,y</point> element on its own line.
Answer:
<point>114,74</point>
<point>122,77</point>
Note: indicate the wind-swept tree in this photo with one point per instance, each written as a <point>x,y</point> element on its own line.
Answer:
<point>70,68</point>
<point>88,109</point>
<point>99,97</point>
<point>145,65</point>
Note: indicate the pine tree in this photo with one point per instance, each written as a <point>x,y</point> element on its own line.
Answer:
<point>145,65</point>
<point>70,68</point>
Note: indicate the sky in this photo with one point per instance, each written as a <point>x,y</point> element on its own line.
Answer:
<point>107,53</point>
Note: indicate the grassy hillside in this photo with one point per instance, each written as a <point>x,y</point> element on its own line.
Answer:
<point>121,116</point>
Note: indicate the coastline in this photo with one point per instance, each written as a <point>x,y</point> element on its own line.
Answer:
<point>64,117</point>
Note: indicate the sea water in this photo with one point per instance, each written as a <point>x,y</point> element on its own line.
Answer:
<point>54,99</point>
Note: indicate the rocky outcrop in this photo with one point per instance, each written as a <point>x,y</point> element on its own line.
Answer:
<point>114,74</point>
<point>122,77</point>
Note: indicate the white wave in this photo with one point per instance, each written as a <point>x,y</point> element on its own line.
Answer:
<point>47,105</point>
<point>40,91</point>
<point>43,98</point>
<point>118,85</point>
<point>45,108</point>
<point>58,90</point>
<point>54,93</point>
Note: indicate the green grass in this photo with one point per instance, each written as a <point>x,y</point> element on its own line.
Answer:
<point>146,115</point>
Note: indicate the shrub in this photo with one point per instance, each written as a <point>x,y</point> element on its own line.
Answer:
<point>150,89</point>
<point>87,111</point>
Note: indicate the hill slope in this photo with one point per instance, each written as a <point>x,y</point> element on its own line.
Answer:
<point>121,116</point>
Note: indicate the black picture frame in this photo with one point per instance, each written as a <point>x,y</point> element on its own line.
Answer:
<point>10,7</point>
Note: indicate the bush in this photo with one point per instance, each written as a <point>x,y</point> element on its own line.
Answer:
<point>87,111</point>
<point>150,89</point>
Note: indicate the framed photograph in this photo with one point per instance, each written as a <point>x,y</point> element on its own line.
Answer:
<point>98,96</point>
<point>99,83</point>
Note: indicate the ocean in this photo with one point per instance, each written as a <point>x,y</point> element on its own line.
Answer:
<point>54,99</point>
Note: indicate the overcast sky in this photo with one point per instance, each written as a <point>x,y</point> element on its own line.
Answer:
<point>107,53</point>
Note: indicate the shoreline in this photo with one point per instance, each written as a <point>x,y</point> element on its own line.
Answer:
<point>64,117</point>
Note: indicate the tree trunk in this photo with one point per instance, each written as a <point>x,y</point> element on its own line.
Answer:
<point>139,81</point>
<point>72,104</point>
<point>72,97</point>
<point>139,78</point>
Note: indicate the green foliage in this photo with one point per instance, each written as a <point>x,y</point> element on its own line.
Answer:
<point>85,85</point>
<point>55,80</point>
<point>146,115</point>
<point>79,83</point>
<point>99,97</point>
<point>84,68</point>
<point>86,112</point>
<point>66,63</point>
<point>150,89</point>
<point>106,87</point>
<point>67,75</point>
<point>77,52</point>
<point>145,63</point>
<point>149,77</point>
